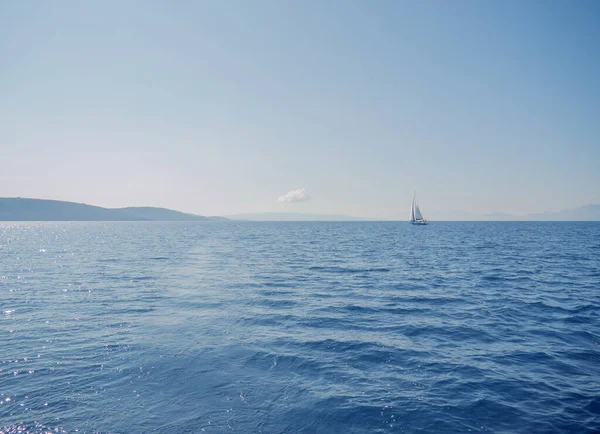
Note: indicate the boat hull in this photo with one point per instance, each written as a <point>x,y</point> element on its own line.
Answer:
<point>420,223</point>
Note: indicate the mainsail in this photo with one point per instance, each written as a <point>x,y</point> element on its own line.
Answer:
<point>418,215</point>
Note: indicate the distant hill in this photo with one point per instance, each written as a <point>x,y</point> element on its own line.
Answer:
<point>292,216</point>
<point>161,214</point>
<point>583,213</point>
<point>20,209</point>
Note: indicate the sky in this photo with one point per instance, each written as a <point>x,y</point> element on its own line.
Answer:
<point>338,107</point>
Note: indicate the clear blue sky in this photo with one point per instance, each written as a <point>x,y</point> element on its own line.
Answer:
<point>221,107</point>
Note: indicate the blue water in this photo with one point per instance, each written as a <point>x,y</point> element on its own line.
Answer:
<point>300,327</point>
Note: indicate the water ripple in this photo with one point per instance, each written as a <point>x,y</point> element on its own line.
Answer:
<point>299,327</point>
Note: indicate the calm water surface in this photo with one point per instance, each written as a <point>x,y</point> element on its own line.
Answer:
<point>300,327</point>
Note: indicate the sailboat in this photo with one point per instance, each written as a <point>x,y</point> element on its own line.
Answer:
<point>416,218</point>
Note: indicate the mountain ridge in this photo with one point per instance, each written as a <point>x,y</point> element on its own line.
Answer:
<point>296,216</point>
<point>27,209</point>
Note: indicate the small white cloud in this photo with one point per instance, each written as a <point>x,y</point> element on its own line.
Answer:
<point>294,196</point>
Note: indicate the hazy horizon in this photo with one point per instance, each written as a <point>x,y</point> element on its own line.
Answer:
<point>337,108</point>
<point>589,212</point>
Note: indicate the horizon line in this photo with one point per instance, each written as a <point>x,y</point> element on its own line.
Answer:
<point>476,216</point>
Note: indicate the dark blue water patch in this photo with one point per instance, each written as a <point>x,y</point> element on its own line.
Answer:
<point>585,338</point>
<point>410,284</point>
<point>545,308</point>
<point>133,310</point>
<point>350,270</point>
<point>434,301</point>
<point>592,309</point>
<point>320,322</point>
<point>593,407</point>
<point>276,292</point>
<point>589,357</point>
<point>278,284</point>
<point>278,304</point>
<point>449,334</point>
<point>396,308</point>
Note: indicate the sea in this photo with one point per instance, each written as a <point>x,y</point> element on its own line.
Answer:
<point>299,327</point>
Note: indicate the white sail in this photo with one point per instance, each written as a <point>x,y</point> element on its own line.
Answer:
<point>412,210</point>
<point>418,215</point>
